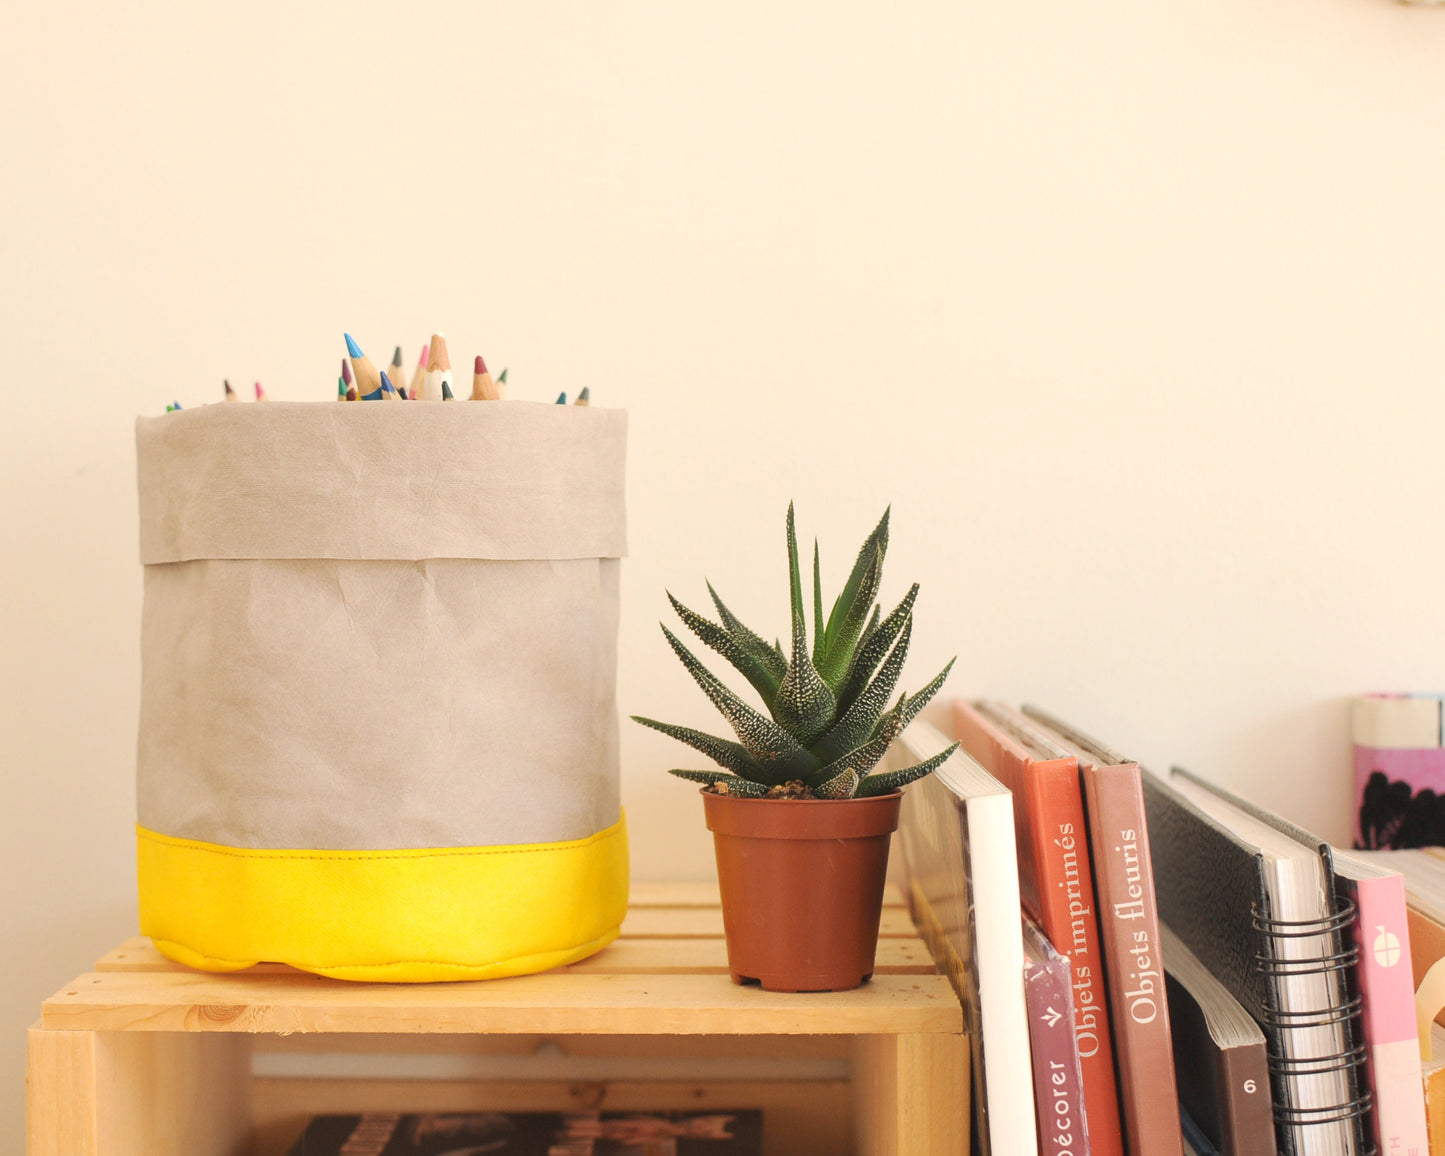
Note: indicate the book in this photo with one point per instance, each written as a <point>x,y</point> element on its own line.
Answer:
<point>957,831</point>
<point>1423,870</point>
<point>1058,1077</point>
<point>1371,896</point>
<point>1381,934</point>
<point>1056,882</point>
<point>1129,925</point>
<point>713,1133</point>
<point>1257,908</point>
<point>1220,1057</point>
<point>1399,753</point>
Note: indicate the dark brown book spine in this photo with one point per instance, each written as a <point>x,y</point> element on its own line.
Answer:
<point>1246,1111</point>
<point>1058,1080</point>
<point>1133,966</point>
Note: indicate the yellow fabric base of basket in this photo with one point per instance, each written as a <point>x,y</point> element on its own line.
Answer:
<point>405,916</point>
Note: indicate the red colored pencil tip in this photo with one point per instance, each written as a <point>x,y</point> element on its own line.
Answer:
<point>481,366</point>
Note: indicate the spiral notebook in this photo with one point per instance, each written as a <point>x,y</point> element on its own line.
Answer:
<point>1259,909</point>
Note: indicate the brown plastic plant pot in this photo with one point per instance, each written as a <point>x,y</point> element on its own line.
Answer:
<point>802,887</point>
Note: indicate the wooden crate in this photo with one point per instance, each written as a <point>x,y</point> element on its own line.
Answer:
<point>143,1056</point>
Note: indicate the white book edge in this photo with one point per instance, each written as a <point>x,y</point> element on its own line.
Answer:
<point>1008,1065</point>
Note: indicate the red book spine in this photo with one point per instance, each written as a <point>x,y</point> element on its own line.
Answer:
<point>1124,873</point>
<point>1058,1080</point>
<point>1056,882</point>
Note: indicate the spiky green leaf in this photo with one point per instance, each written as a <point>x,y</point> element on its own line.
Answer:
<point>863,758</point>
<point>871,650</point>
<point>819,627</point>
<point>735,785</point>
<point>843,640</point>
<point>804,705</point>
<point>778,755</point>
<point>908,709</point>
<point>887,782</point>
<point>868,630</point>
<point>755,645</point>
<point>840,786</point>
<point>858,722</point>
<point>724,752</point>
<point>877,540</point>
<point>743,660</point>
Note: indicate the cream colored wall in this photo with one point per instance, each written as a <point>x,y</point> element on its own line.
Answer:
<point>1133,310</point>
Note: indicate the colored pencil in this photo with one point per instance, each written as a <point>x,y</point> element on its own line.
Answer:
<point>230,393</point>
<point>585,397</point>
<point>418,378</point>
<point>438,365</point>
<point>398,379</point>
<point>367,379</point>
<point>351,394</point>
<point>260,393</point>
<point>388,391</point>
<point>562,398</point>
<point>483,387</point>
<point>502,383</point>
<point>346,370</point>
<point>341,389</point>
<point>447,391</point>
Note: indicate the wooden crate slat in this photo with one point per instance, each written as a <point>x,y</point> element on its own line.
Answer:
<point>705,894</point>
<point>651,1047</point>
<point>562,1003</point>
<point>693,922</point>
<point>628,956</point>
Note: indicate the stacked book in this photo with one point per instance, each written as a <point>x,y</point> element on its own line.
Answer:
<point>1150,965</point>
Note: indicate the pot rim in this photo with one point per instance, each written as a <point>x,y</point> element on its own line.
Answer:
<point>826,802</point>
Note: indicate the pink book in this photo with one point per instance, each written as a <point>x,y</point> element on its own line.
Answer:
<point>1387,1003</point>
<point>1399,770</point>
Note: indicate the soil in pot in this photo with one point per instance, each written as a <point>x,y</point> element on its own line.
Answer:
<point>802,887</point>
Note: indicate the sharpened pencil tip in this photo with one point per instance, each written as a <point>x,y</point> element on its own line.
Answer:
<point>386,382</point>
<point>562,398</point>
<point>396,357</point>
<point>176,404</point>
<point>502,377</point>
<point>351,346</point>
<point>447,392</point>
<point>346,370</point>
<point>480,366</point>
<point>586,394</point>
<point>424,351</point>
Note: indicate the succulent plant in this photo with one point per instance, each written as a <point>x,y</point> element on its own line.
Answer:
<point>828,720</point>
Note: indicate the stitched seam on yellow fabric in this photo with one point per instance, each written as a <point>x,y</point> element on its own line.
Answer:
<point>601,941</point>
<point>371,856</point>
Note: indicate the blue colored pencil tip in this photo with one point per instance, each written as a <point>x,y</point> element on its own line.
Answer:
<point>562,398</point>
<point>351,346</point>
<point>386,386</point>
<point>176,404</point>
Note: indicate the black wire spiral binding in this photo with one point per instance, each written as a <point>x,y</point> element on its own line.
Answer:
<point>1284,1069</point>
